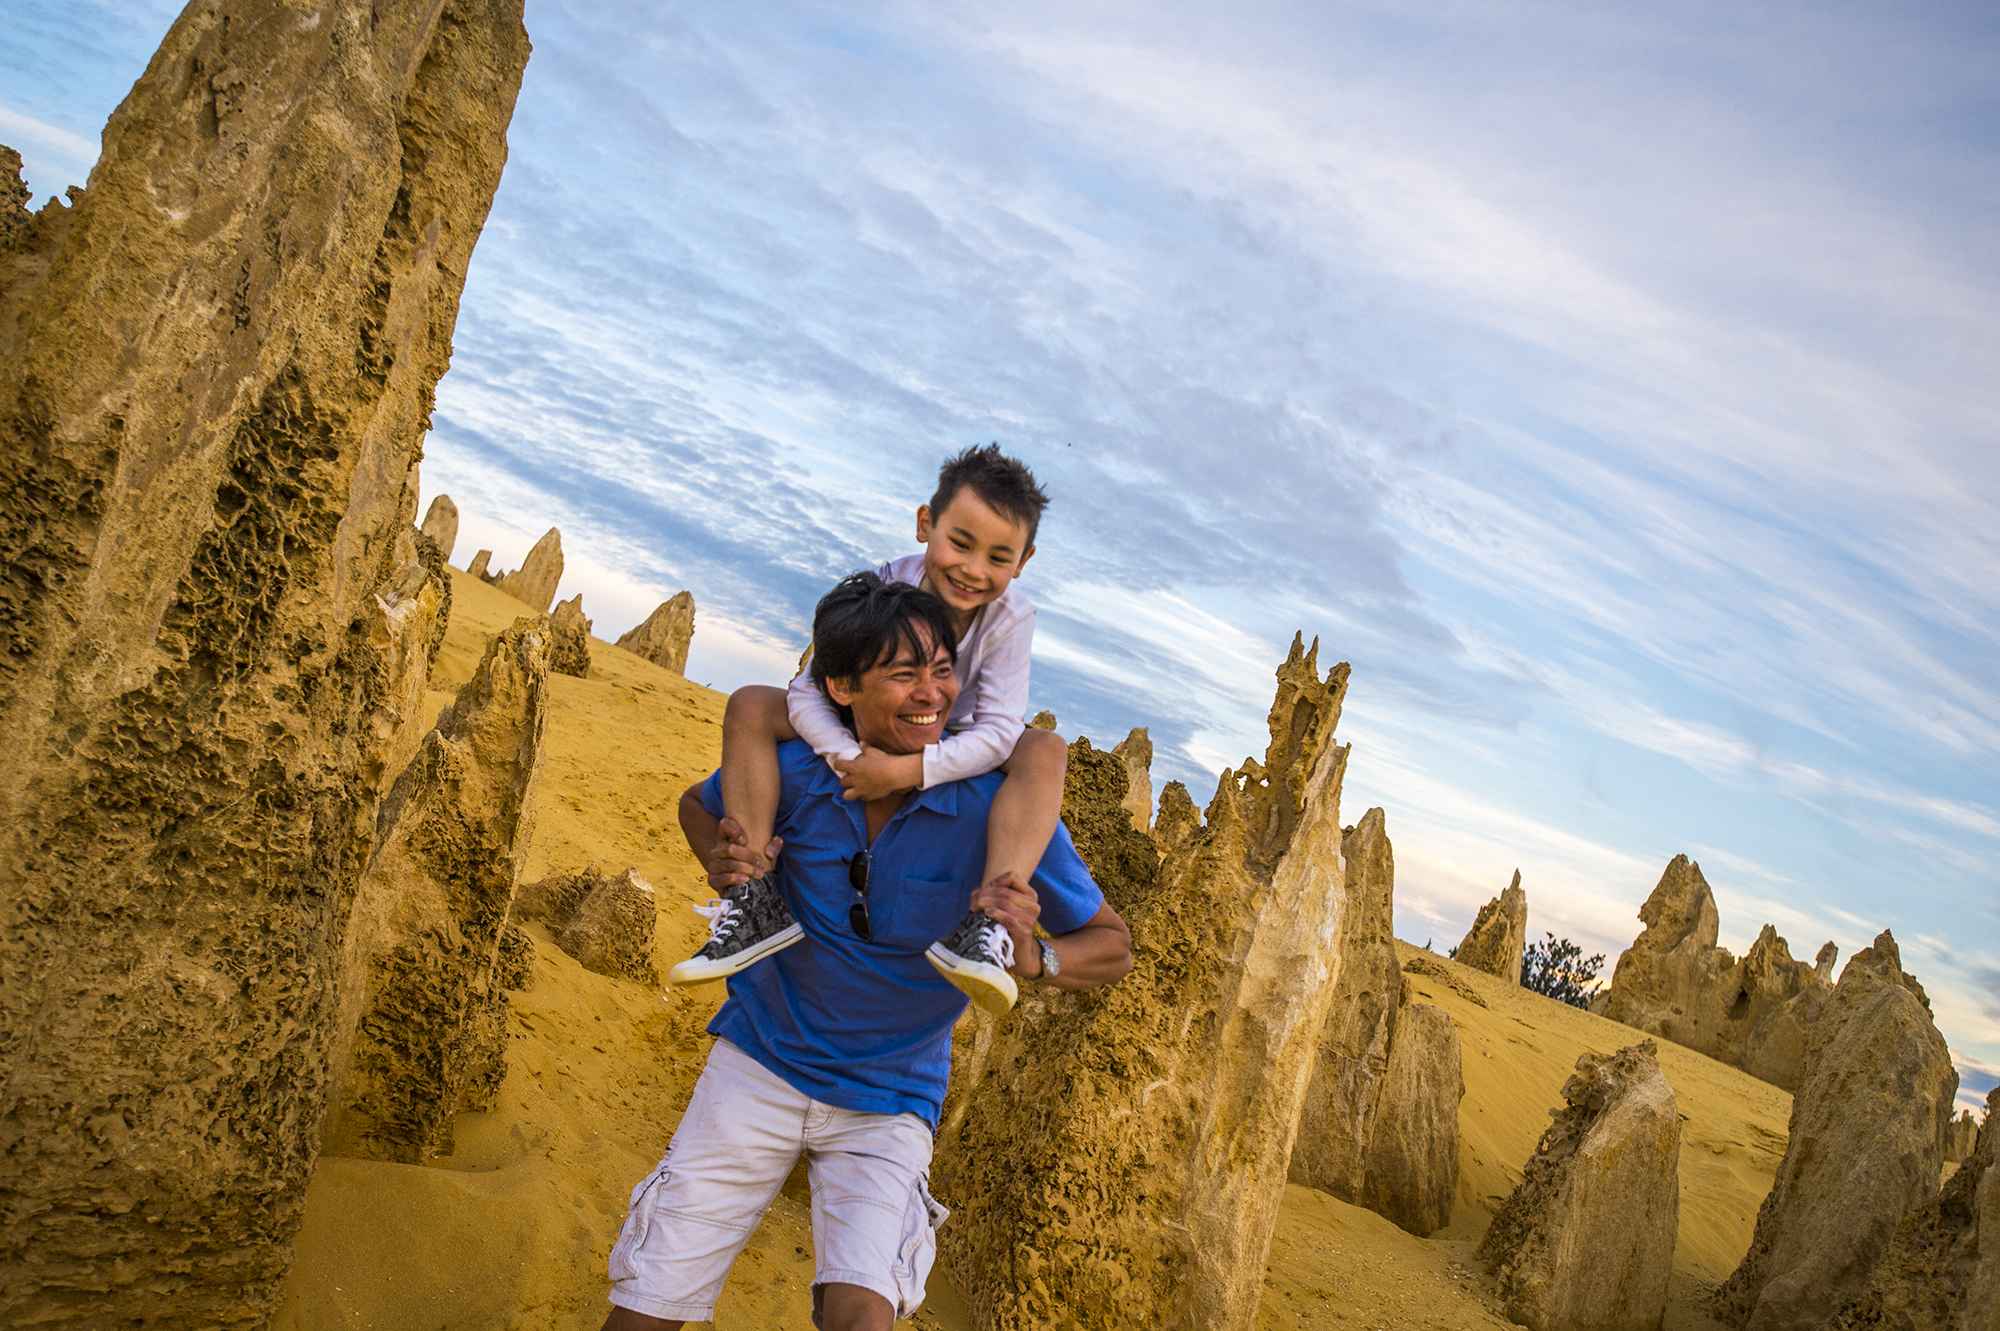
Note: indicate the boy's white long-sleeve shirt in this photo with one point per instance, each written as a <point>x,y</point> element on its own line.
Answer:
<point>992,708</point>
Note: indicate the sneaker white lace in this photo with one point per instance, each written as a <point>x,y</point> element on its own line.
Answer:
<point>975,957</point>
<point>999,945</point>
<point>720,912</point>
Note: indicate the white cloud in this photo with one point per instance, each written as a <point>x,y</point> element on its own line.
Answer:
<point>76,149</point>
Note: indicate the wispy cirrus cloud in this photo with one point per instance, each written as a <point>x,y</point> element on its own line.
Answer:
<point>1613,388</point>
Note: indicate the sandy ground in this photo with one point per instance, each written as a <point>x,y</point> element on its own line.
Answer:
<point>513,1230</point>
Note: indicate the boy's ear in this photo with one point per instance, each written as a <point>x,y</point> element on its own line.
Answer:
<point>923,524</point>
<point>1026,555</point>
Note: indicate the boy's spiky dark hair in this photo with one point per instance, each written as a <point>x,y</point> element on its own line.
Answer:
<point>1003,482</point>
<point>865,621</point>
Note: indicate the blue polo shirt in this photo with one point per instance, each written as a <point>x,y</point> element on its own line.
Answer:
<point>867,1026</point>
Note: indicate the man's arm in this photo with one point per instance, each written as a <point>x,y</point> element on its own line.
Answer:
<point>1097,952</point>
<point>719,843</point>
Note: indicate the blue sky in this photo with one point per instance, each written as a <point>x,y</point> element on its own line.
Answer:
<point>1613,386</point>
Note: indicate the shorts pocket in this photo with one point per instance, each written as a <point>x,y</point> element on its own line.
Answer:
<point>917,1248</point>
<point>624,1262</point>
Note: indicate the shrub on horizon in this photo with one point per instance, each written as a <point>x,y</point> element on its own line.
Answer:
<point>1558,969</point>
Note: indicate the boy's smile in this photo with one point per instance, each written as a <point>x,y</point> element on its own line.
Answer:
<point>971,553</point>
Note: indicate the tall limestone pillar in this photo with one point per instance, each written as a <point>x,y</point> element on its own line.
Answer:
<point>1117,1156</point>
<point>215,375</point>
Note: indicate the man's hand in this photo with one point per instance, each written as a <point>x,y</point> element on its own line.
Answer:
<point>877,775</point>
<point>732,861</point>
<point>1099,951</point>
<point>1013,905</point>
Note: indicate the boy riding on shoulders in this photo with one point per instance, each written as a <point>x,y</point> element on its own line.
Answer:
<point>978,533</point>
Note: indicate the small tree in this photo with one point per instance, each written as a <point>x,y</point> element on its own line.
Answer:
<point>1558,969</point>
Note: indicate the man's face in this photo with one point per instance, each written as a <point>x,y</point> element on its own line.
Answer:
<point>901,704</point>
<point>971,552</point>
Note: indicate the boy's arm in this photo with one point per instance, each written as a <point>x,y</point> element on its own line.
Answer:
<point>816,721</point>
<point>1000,710</point>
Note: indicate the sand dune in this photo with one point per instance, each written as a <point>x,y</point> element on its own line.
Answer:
<point>513,1229</point>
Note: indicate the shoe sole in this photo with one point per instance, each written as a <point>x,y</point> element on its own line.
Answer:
<point>704,970</point>
<point>983,982</point>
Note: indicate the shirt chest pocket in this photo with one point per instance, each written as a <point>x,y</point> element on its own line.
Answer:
<point>916,912</point>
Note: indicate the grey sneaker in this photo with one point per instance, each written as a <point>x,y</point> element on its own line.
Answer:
<point>746,923</point>
<point>975,957</point>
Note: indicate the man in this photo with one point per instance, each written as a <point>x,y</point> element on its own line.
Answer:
<point>841,1045</point>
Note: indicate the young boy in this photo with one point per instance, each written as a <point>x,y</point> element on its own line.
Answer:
<point>978,533</point>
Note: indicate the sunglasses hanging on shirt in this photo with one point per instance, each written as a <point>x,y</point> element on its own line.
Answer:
<point>857,913</point>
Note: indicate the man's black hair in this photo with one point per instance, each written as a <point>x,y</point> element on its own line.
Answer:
<point>864,622</point>
<point>1004,483</point>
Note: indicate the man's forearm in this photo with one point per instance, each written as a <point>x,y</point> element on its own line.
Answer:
<point>1098,953</point>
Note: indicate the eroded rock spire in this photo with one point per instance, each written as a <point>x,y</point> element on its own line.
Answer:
<point>1182,1083</point>
<point>217,370</point>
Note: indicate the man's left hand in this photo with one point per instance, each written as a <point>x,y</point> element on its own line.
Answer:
<point>1011,903</point>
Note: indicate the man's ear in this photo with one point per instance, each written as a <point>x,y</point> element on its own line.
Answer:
<point>923,524</point>
<point>841,691</point>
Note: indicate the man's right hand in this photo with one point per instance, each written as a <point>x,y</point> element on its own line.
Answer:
<point>732,862</point>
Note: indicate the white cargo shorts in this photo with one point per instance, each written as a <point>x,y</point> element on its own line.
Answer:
<point>873,1218</point>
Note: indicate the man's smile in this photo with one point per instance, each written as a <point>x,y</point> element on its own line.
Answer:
<point>919,718</point>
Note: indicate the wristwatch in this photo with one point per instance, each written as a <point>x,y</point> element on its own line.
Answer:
<point>1051,964</point>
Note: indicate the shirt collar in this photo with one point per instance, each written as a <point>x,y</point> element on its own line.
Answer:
<point>939,799</point>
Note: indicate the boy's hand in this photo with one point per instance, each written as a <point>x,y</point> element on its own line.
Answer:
<point>876,775</point>
<point>1011,903</point>
<point>733,862</point>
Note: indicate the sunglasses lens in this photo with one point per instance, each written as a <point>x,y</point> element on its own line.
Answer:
<point>857,914</point>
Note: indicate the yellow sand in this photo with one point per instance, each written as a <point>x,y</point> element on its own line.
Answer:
<point>513,1230</point>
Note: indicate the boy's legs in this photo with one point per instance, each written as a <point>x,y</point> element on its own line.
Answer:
<point>1027,806</point>
<point>754,723</point>
<point>1019,826</point>
<point>751,921</point>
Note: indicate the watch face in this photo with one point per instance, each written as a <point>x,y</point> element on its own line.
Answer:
<point>1050,965</point>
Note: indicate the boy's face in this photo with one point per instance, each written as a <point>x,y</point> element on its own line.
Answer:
<point>971,552</point>
<point>901,704</point>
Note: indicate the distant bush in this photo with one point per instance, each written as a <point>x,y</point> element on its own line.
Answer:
<point>1558,969</point>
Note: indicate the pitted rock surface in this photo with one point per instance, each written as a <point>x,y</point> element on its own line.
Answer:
<point>1338,1116</point>
<point>1136,752</point>
<point>1412,1160</point>
<point>219,364</point>
<point>1942,1270</point>
<point>420,1012</point>
<point>1586,1242</point>
<point>1674,982</point>
<point>1865,1147</point>
<point>1499,937</point>
<point>663,639</point>
<point>441,525</point>
<point>569,639</point>
<point>534,583</point>
<point>606,923</point>
<point>1177,1088</point>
